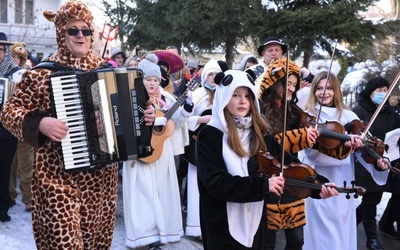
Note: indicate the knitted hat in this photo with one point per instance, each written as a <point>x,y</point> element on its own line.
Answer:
<point>20,50</point>
<point>227,82</point>
<point>149,66</point>
<point>374,83</point>
<point>276,71</point>
<point>192,64</point>
<point>271,40</point>
<point>211,66</point>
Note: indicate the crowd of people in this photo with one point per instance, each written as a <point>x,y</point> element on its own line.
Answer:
<point>217,135</point>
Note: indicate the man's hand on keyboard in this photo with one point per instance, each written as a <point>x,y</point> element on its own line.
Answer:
<point>53,128</point>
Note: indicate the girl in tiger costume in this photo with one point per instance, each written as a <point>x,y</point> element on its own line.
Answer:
<point>287,211</point>
<point>288,214</point>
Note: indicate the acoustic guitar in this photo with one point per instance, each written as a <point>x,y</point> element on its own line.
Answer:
<point>161,133</point>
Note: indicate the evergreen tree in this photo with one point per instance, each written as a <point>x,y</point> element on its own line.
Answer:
<point>304,24</point>
<point>209,25</point>
<point>121,14</point>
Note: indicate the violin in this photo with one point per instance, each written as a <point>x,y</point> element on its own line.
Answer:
<point>300,179</point>
<point>331,133</point>
<point>374,147</point>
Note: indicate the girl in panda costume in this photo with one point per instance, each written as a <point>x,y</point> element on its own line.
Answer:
<point>232,207</point>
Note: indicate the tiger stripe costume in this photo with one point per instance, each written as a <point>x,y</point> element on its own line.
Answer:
<point>289,213</point>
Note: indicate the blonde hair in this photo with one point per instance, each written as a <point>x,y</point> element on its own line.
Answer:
<point>335,85</point>
<point>129,59</point>
<point>258,130</point>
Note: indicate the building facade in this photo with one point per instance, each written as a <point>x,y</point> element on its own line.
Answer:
<point>23,21</point>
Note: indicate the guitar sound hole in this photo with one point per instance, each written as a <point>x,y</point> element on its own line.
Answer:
<point>158,128</point>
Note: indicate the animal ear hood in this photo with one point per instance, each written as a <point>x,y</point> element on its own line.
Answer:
<point>228,82</point>
<point>70,11</point>
<point>276,71</point>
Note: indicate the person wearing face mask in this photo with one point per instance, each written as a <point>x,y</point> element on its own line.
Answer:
<point>374,181</point>
<point>203,99</point>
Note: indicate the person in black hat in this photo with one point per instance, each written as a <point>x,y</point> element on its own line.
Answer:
<point>8,143</point>
<point>272,48</point>
<point>376,182</point>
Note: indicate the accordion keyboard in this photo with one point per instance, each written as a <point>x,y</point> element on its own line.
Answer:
<point>69,108</point>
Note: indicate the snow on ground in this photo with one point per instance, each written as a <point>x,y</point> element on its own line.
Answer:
<point>17,233</point>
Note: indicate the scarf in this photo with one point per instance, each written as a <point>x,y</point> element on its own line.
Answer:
<point>7,64</point>
<point>243,122</point>
<point>157,99</point>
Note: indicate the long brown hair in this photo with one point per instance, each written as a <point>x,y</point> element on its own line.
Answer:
<point>273,113</point>
<point>258,130</point>
<point>335,85</point>
<point>211,94</point>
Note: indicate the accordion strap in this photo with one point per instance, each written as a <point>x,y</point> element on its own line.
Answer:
<point>53,66</point>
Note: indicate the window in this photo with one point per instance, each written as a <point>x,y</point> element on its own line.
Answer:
<point>18,11</point>
<point>29,12</point>
<point>3,11</point>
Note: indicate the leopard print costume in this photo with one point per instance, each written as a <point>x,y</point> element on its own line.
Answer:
<point>70,210</point>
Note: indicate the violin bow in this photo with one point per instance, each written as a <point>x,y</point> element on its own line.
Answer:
<point>379,108</point>
<point>326,83</point>
<point>284,98</point>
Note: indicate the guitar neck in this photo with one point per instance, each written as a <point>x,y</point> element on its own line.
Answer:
<point>174,107</point>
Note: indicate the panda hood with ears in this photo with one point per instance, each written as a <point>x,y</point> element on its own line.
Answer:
<point>243,217</point>
<point>227,82</point>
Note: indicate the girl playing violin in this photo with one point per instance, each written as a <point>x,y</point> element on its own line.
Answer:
<point>232,199</point>
<point>287,211</point>
<point>334,217</point>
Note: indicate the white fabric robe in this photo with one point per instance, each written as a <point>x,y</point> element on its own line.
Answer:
<point>200,100</point>
<point>331,223</point>
<point>152,207</point>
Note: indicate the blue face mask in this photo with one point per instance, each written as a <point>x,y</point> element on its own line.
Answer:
<point>207,85</point>
<point>378,97</point>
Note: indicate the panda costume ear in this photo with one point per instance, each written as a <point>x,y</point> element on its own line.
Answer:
<point>223,79</point>
<point>251,75</point>
<point>218,77</point>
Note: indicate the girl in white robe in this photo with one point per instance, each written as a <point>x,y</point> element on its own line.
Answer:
<point>331,224</point>
<point>202,99</point>
<point>152,208</point>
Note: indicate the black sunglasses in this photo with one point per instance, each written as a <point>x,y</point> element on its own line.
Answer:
<point>75,32</point>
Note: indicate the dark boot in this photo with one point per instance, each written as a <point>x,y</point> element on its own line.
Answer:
<point>386,222</point>
<point>372,235</point>
<point>358,215</point>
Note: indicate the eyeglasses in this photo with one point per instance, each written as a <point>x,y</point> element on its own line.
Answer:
<point>75,32</point>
